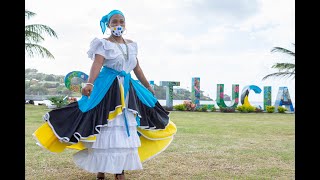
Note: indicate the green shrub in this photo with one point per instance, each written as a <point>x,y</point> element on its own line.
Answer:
<point>246,109</point>
<point>212,108</point>
<point>59,101</point>
<point>180,107</point>
<point>202,108</point>
<point>270,109</point>
<point>227,109</point>
<point>251,108</point>
<point>282,109</point>
<point>241,108</point>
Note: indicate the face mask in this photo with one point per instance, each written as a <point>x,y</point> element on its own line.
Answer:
<point>117,30</point>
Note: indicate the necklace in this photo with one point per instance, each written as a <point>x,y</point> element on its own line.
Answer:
<point>126,56</point>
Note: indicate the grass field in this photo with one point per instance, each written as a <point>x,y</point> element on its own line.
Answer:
<point>208,145</point>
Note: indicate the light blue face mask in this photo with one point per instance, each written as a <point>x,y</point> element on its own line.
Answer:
<point>105,20</point>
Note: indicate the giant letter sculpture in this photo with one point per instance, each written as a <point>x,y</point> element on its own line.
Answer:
<point>220,96</point>
<point>195,91</point>
<point>245,94</point>
<point>283,98</point>
<point>169,92</point>
<point>266,97</point>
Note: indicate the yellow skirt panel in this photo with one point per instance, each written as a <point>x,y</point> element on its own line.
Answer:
<point>154,143</point>
<point>47,139</point>
<point>118,109</point>
<point>160,134</point>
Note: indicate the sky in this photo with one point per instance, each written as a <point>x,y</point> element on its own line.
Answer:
<point>222,42</point>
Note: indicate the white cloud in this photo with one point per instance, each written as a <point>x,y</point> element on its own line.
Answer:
<point>225,42</point>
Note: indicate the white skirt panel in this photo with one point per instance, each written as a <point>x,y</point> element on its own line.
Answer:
<point>108,160</point>
<point>113,150</point>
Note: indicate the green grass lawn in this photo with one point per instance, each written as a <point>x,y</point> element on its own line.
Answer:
<point>208,145</point>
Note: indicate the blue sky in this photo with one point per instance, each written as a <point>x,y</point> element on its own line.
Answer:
<point>222,42</point>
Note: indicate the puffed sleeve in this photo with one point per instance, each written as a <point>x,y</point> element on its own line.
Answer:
<point>98,46</point>
<point>135,48</point>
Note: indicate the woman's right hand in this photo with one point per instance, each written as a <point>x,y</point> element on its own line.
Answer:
<point>151,90</point>
<point>86,90</point>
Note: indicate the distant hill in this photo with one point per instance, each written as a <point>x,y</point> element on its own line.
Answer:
<point>227,97</point>
<point>50,84</point>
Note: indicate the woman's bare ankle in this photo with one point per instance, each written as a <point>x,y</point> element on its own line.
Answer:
<point>120,176</point>
<point>100,174</point>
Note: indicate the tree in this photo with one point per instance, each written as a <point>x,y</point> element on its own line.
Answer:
<point>34,36</point>
<point>49,77</point>
<point>284,69</point>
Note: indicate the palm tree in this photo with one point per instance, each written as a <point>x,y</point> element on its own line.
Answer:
<point>34,36</point>
<point>285,69</point>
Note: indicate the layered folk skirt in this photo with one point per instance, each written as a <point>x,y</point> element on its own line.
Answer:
<point>117,128</point>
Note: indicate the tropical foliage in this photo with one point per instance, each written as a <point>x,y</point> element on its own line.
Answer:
<point>284,69</point>
<point>34,35</point>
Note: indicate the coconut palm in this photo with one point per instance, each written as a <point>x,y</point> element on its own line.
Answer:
<point>285,69</point>
<point>34,35</point>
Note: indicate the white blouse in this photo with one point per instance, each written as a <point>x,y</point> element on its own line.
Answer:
<point>113,57</point>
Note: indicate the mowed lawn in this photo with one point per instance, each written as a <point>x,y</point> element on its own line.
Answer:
<point>208,145</point>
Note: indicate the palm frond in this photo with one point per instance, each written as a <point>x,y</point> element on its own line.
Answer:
<point>283,66</point>
<point>41,29</point>
<point>33,37</point>
<point>282,50</point>
<point>279,74</point>
<point>29,14</point>
<point>285,69</point>
<point>33,50</point>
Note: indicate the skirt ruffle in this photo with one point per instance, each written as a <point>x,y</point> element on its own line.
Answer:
<point>113,150</point>
<point>110,161</point>
<point>70,127</point>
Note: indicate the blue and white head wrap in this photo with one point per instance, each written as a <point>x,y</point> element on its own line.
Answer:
<point>105,19</point>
